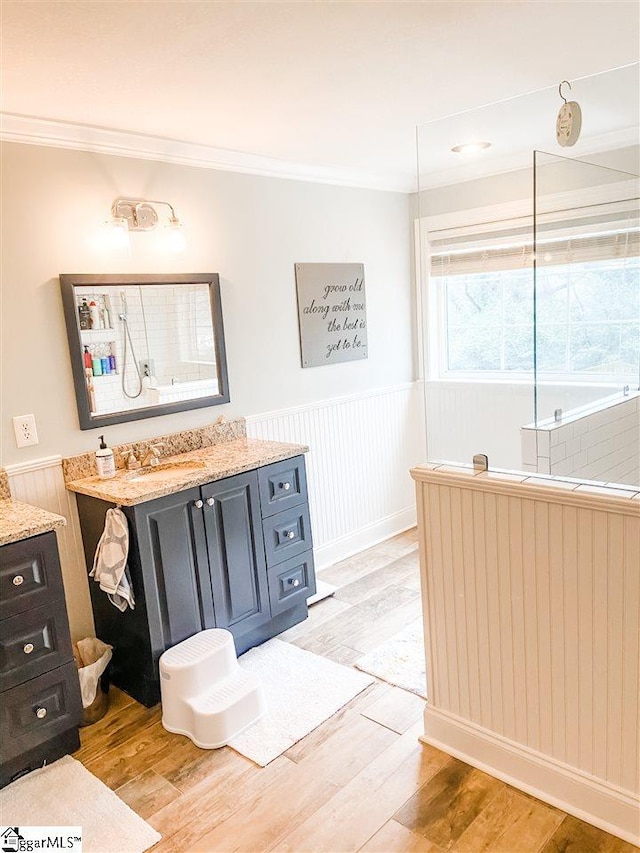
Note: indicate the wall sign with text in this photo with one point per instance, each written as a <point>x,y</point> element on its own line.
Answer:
<point>332,313</point>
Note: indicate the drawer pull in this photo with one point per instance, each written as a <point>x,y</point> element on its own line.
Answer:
<point>294,581</point>
<point>285,486</point>
<point>289,534</point>
<point>198,504</point>
<point>18,580</point>
<point>27,648</point>
<point>41,713</point>
<point>211,501</point>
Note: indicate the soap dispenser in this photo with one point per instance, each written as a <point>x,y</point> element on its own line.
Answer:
<point>104,461</point>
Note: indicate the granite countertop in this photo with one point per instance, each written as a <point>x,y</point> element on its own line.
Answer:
<point>128,488</point>
<point>20,521</point>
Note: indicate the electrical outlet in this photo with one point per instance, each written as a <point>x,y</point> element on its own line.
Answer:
<point>24,427</point>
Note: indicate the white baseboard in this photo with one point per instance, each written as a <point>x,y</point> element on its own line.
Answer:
<point>365,537</point>
<point>586,797</point>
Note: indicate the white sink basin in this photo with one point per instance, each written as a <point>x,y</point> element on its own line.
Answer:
<point>164,471</point>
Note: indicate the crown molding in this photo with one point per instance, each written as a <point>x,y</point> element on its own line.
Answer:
<point>29,130</point>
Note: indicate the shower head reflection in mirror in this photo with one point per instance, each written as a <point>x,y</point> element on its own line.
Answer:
<point>156,344</point>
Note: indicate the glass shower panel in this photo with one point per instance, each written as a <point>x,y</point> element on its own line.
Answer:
<point>587,318</point>
<point>474,231</point>
<point>475,236</point>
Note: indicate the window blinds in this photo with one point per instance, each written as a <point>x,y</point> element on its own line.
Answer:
<point>557,241</point>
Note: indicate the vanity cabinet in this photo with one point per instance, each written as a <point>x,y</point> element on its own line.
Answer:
<point>40,689</point>
<point>234,553</point>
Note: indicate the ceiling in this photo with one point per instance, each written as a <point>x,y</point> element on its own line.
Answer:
<point>318,89</point>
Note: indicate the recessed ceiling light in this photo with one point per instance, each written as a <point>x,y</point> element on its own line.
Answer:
<point>470,147</point>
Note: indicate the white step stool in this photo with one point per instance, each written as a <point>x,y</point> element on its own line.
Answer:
<point>205,694</point>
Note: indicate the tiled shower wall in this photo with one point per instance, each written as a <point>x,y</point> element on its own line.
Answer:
<point>601,442</point>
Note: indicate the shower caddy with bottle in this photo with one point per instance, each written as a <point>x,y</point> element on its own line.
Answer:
<point>96,333</point>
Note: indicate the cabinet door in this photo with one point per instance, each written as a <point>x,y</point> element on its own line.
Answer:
<point>171,543</point>
<point>236,553</point>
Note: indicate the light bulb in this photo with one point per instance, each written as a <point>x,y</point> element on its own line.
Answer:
<point>118,233</point>
<point>177,242</point>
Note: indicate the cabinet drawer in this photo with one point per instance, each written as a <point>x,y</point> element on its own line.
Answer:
<point>37,711</point>
<point>291,582</point>
<point>34,642</point>
<point>29,574</point>
<point>282,485</point>
<point>287,534</point>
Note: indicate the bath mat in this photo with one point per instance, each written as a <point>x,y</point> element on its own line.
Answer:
<point>66,794</point>
<point>400,660</point>
<point>302,691</point>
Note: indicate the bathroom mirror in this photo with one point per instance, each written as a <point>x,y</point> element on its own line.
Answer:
<point>144,345</point>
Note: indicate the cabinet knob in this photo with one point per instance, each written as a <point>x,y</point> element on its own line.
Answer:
<point>211,501</point>
<point>198,504</point>
<point>294,581</point>
<point>18,580</point>
<point>285,486</point>
<point>27,648</point>
<point>289,534</point>
<point>41,713</point>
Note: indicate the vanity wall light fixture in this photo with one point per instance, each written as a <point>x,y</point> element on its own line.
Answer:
<point>139,214</point>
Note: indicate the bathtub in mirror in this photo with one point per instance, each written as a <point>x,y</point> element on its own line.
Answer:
<point>144,345</point>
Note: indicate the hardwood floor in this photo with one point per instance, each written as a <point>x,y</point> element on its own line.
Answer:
<point>361,781</point>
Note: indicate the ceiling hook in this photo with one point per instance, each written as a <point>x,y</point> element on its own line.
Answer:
<point>560,89</point>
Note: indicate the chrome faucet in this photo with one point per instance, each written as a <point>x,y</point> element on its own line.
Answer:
<point>152,456</point>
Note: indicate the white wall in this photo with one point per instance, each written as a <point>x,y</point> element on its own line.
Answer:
<point>251,230</point>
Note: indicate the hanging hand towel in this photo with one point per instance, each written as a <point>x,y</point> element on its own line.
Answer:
<point>110,562</point>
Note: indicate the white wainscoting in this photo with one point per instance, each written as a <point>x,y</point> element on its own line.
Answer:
<point>361,450</point>
<point>531,596</point>
<point>41,483</point>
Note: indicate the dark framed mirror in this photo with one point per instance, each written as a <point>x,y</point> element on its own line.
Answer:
<point>144,345</point>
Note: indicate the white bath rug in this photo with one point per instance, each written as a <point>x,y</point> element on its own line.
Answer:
<point>66,794</point>
<point>399,660</point>
<point>302,690</point>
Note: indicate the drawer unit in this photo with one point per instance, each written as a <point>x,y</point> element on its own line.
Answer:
<point>282,485</point>
<point>287,534</point>
<point>40,703</point>
<point>32,643</point>
<point>38,710</point>
<point>286,528</point>
<point>291,582</point>
<point>29,574</point>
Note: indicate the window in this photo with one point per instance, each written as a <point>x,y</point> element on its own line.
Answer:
<point>480,296</point>
<point>588,320</point>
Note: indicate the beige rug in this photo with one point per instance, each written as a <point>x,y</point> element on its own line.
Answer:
<point>302,691</point>
<point>65,794</point>
<point>400,660</point>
